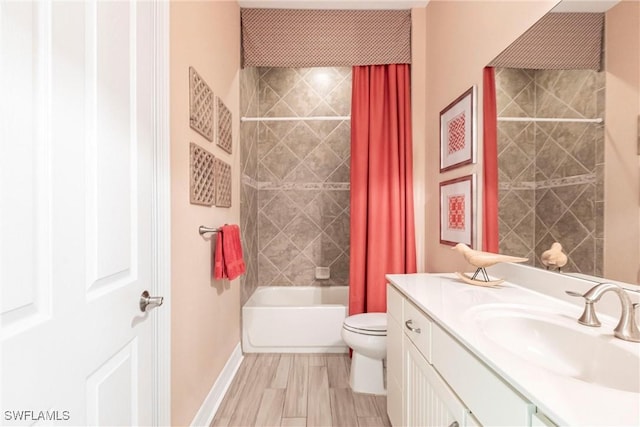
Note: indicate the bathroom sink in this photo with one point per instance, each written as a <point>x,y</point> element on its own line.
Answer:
<point>557,343</point>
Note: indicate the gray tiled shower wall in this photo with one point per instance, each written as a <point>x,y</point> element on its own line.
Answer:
<point>551,174</point>
<point>295,186</point>
<point>248,188</point>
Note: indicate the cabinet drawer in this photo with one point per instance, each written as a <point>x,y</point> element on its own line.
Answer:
<point>417,326</point>
<point>490,399</point>
<point>394,303</point>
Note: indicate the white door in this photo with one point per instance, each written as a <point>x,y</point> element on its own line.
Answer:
<point>76,212</point>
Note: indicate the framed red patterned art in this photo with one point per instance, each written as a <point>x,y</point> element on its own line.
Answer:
<point>458,132</point>
<point>456,210</point>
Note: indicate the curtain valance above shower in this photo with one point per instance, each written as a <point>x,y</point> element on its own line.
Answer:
<point>325,38</point>
<point>558,41</point>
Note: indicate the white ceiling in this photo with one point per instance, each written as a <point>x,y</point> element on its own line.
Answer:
<point>332,4</point>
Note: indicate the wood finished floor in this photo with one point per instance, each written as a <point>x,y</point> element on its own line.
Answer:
<point>295,390</point>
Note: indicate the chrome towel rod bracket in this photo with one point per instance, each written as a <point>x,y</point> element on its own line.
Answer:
<point>204,230</point>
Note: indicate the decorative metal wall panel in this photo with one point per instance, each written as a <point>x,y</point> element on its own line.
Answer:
<point>200,105</point>
<point>223,183</point>
<point>224,138</point>
<point>202,177</point>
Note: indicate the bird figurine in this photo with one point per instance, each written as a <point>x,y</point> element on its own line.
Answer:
<point>481,260</point>
<point>554,257</point>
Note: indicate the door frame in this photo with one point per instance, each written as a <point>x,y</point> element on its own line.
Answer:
<point>161,234</point>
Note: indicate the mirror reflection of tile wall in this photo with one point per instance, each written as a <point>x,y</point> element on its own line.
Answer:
<point>551,174</point>
<point>301,172</point>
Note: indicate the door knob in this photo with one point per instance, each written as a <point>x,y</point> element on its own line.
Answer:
<point>146,300</point>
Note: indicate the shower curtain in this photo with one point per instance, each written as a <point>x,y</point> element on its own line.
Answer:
<point>382,222</point>
<point>490,237</point>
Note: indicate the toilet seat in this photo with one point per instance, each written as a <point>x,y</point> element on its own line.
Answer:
<point>372,324</point>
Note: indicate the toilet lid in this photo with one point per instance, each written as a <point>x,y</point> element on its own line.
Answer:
<point>367,323</point>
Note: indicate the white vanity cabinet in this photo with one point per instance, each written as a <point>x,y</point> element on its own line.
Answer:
<point>508,356</point>
<point>433,380</point>
<point>416,394</point>
<point>395,348</point>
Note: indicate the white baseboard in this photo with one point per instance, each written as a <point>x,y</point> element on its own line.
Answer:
<point>210,406</point>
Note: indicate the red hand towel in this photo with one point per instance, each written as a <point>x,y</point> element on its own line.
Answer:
<point>218,260</point>
<point>229,262</point>
<point>232,247</point>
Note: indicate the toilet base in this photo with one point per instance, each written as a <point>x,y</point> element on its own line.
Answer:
<point>367,375</point>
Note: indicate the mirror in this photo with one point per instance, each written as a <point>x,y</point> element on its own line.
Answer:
<point>564,169</point>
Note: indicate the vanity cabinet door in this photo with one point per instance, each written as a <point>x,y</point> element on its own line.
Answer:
<point>395,303</point>
<point>394,372</point>
<point>428,399</point>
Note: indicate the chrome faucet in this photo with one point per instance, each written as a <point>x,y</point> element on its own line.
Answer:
<point>627,328</point>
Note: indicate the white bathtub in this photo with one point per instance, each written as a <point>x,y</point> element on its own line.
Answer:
<point>295,319</point>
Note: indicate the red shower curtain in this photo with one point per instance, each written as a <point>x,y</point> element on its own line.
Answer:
<point>382,224</point>
<point>490,155</point>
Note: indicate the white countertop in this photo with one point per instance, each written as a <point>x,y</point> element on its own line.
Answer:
<point>565,400</point>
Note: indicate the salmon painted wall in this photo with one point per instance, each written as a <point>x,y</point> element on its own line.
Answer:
<point>418,107</point>
<point>205,313</point>
<point>462,38</point>
<point>622,171</point>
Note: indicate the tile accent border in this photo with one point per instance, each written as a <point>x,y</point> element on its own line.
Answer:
<point>247,180</point>
<point>589,178</point>
<point>305,186</point>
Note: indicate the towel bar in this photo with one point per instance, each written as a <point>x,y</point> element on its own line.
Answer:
<point>204,230</point>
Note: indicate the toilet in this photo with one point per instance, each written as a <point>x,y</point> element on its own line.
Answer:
<point>366,335</point>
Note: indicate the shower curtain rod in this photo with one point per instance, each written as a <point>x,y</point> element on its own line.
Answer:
<point>340,118</point>
<point>285,119</point>
<point>544,119</point>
